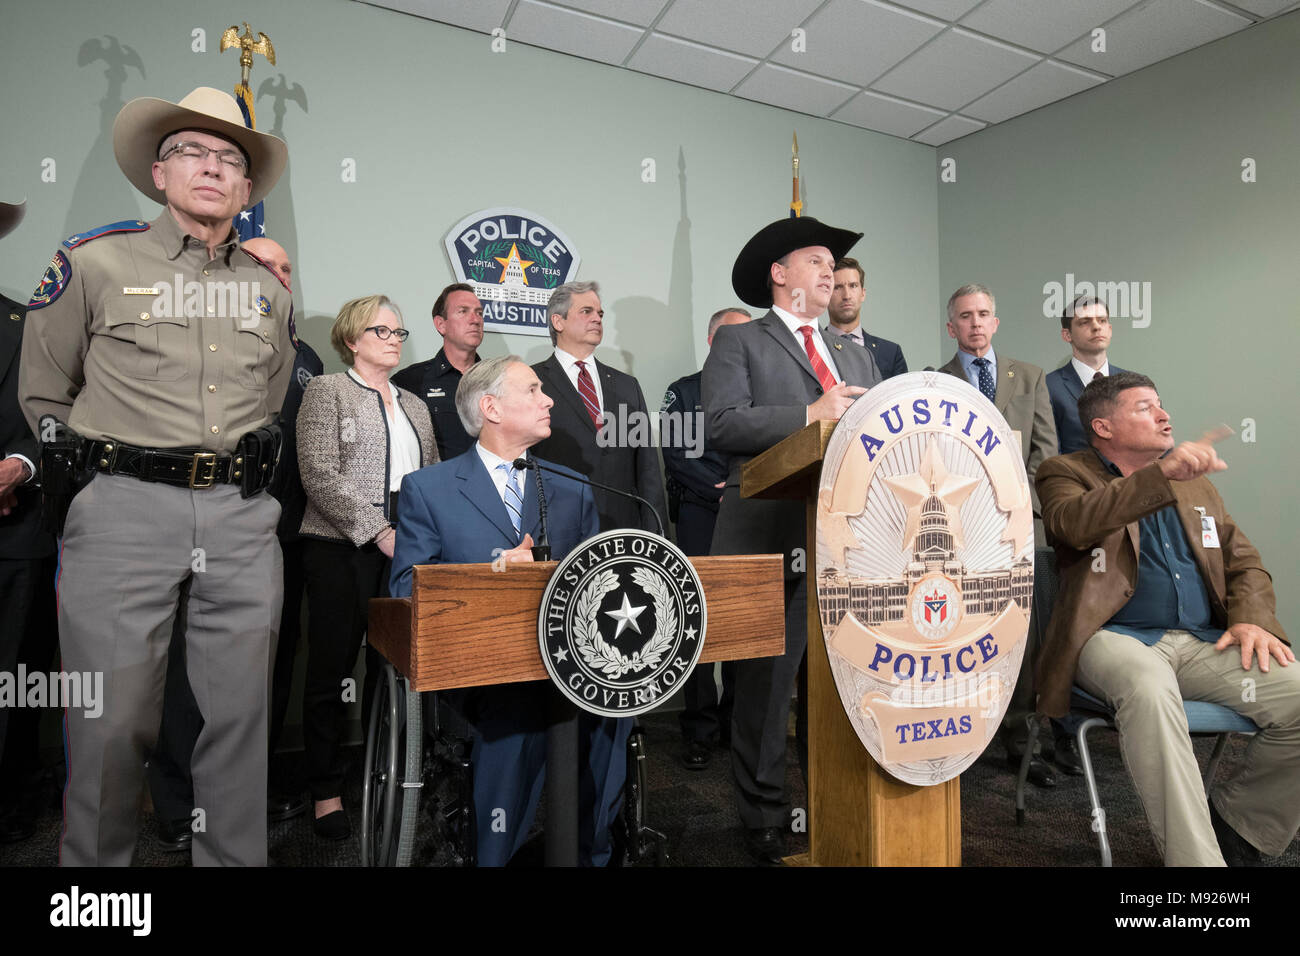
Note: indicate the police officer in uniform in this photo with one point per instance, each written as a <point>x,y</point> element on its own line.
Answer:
<point>168,351</point>
<point>695,483</point>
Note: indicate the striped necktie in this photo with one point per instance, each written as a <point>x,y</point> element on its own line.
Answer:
<point>587,389</point>
<point>514,501</point>
<point>824,375</point>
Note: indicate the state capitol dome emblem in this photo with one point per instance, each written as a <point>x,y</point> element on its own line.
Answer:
<point>925,545</point>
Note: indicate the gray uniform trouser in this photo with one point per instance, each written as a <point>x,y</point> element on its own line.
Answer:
<point>128,548</point>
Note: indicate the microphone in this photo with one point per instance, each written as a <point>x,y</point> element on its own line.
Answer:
<point>542,549</point>
<point>524,463</point>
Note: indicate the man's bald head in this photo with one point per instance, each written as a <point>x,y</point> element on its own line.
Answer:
<point>273,254</point>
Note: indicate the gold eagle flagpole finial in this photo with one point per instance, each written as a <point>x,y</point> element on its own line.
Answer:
<point>796,205</point>
<point>247,47</point>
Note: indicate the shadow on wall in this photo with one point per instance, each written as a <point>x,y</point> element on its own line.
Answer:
<point>102,194</point>
<point>279,218</point>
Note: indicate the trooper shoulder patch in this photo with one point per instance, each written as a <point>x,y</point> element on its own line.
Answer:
<point>52,283</point>
<point>126,225</point>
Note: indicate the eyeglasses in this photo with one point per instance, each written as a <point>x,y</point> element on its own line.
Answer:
<point>384,332</point>
<point>231,157</point>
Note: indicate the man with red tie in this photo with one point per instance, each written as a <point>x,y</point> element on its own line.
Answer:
<point>587,393</point>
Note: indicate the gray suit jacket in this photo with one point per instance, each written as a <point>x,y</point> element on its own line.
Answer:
<point>757,386</point>
<point>1023,400</point>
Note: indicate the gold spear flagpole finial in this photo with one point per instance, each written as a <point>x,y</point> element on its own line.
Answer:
<point>247,47</point>
<point>796,205</point>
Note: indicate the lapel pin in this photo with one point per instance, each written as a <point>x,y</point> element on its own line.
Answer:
<point>838,347</point>
<point>1011,374</point>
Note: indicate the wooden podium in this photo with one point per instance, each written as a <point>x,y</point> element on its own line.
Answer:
<point>859,815</point>
<point>466,625</point>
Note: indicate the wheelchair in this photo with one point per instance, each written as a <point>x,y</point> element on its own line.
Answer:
<point>405,764</point>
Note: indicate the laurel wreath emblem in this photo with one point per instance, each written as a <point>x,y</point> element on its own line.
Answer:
<point>603,656</point>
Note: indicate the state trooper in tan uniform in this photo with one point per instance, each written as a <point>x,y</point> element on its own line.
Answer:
<point>168,350</point>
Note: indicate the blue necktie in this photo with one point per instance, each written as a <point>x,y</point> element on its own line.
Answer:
<point>514,501</point>
<point>986,378</point>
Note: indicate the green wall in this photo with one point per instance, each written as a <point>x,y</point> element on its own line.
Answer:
<point>1141,180</point>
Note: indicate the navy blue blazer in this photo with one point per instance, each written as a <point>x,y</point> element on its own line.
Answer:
<point>1065,387</point>
<point>450,513</point>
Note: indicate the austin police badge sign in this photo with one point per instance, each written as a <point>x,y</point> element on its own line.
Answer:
<point>925,547</point>
<point>514,259</point>
<point>621,623</point>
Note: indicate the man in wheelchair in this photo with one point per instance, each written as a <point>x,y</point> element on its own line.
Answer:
<point>1163,598</point>
<point>479,508</point>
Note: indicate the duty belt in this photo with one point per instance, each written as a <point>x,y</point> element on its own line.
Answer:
<point>184,467</point>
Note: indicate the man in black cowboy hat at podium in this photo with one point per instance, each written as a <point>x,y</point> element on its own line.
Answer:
<point>167,349</point>
<point>762,382</point>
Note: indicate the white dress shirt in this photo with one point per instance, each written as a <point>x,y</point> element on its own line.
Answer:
<point>1085,373</point>
<point>793,323</point>
<point>570,365</point>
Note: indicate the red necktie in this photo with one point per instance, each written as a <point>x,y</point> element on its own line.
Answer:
<point>824,375</point>
<point>587,389</point>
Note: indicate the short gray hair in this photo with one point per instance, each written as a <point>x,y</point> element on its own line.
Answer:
<point>562,299</point>
<point>973,288</point>
<point>716,318</point>
<point>485,378</point>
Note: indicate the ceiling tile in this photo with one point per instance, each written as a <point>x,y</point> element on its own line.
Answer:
<point>753,27</point>
<point>953,70</point>
<point>1264,8</point>
<point>943,9</point>
<point>640,12</point>
<point>1045,27</point>
<point>794,91</point>
<point>690,63</point>
<point>567,31</point>
<point>858,40</point>
<point>886,115</point>
<point>481,15</point>
<point>1149,33</point>
<point>949,129</point>
<point>1045,83</point>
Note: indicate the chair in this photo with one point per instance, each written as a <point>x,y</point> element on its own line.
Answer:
<point>1203,717</point>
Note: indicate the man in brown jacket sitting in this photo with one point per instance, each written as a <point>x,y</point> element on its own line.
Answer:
<point>1163,598</point>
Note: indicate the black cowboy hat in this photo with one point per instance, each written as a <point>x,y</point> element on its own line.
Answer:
<point>778,239</point>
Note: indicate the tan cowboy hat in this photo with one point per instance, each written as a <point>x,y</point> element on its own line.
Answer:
<point>145,122</point>
<point>11,214</point>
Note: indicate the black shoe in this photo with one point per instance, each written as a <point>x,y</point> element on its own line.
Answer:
<point>697,755</point>
<point>282,806</point>
<point>1040,771</point>
<point>766,845</point>
<point>333,826</point>
<point>175,836</point>
<point>1067,757</point>
<point>1236,850</point>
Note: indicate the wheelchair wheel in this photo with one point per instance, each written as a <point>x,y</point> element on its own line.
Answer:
<point>391,781</point>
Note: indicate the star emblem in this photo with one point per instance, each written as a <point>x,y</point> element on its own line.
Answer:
<point>626,616</point>
<point>245,215</point>
<point>560,655</point>
<point>512,267</point>
<point>690,633</point>
<point>261,228</point>
<point>1020,523</point>
<point>932,478</point>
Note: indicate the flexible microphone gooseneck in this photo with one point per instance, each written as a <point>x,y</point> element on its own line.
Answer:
<point>524,463</point>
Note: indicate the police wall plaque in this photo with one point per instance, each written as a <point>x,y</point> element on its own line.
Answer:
<point>514,259</point>
<point>622,622</point>
<point>925,544</point>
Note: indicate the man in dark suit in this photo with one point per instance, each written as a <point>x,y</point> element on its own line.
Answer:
<point>1085,325</point>
<point>845,314</point>
<point>458,317</point>
<point>762,382</point>
<point>1019,391</point>
<point>696,477</point>
<point>1183,609</point>
<point>29,632</point>
<point>591,399</point>
<point>473,509</point>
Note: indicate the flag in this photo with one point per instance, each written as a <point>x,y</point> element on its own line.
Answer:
<point>249,223</point>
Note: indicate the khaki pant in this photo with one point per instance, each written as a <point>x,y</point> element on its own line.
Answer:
<point>128,548</point>
<point>1146,686</point>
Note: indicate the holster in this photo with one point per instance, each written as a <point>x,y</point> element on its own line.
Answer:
<point>63,473</point>
<point>260,450</point>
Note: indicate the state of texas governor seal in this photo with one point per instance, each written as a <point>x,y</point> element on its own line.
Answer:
<point>622,622</point>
